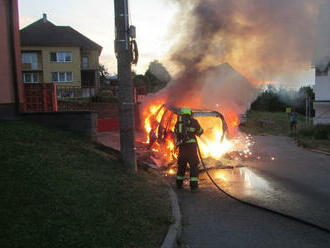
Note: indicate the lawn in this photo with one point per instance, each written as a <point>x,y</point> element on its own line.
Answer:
<point>57,191</point>
<point>276,123</point>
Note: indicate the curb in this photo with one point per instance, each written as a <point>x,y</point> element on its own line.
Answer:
<point>174,231</point>
<point>311,149</point>
<point>320,151</point>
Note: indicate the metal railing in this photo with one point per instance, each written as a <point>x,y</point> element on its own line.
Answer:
<point>39,97</point>
<point>71,92</point>
<point>72,98</point>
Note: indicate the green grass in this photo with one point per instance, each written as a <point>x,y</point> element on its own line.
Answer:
<point>56,191</point>
<point>276,123</point>
<point>315,137</point>
<point>307,142</point>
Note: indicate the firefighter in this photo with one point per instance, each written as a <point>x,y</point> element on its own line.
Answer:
<point>186,130</point>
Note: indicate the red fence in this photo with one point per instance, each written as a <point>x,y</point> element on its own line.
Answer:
<point>108,124</point>
<point>40,97</point>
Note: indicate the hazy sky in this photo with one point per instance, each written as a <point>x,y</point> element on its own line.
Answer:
<point>95,19</point>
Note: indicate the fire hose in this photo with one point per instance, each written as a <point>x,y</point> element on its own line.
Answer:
<point>254,205</point>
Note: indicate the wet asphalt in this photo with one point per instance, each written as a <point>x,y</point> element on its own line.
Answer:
<point>297,183</point>
<point>212,219</point>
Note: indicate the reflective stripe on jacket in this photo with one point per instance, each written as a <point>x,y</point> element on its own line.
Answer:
<point>186,130</point>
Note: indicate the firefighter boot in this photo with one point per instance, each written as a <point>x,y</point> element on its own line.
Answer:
<point>193,185</point>
<point>179,184</point>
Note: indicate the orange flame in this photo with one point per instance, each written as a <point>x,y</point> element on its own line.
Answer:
<point>158,121</point>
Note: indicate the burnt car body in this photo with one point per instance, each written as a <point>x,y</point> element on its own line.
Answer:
<point>166,118</point>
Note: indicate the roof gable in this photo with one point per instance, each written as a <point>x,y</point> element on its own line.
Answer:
<point>45,33</point>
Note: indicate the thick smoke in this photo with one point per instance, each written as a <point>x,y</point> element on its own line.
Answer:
<point>261,39</point>
<point>226,47</point>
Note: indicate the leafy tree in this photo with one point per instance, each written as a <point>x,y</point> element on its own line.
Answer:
<point>104,73</point>
<point>154,79</point>
<point>268,101</point>
<point>273,100</point>
<point>304,92</point>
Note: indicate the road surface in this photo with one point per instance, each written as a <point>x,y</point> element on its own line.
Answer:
<point>297,182</point>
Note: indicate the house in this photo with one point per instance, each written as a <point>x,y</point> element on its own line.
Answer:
<point>322,95</point>
<point>58,54</point>
<point>321,62</point>
<point>11,89</point>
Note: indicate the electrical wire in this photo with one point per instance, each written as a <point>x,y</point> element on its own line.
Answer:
<point>134,52</point>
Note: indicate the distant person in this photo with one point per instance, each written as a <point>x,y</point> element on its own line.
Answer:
<point>293,120</point>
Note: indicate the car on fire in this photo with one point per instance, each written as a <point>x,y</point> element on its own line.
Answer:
<point>162,122</point>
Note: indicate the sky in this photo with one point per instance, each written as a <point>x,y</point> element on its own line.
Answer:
<point>95,19</point>
<point>154,20</point>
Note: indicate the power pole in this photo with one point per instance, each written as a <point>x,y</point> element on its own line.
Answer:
<point>126,97</point>
<point>306,112</point>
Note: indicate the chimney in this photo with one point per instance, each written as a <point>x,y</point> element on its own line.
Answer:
<point>44,17</point>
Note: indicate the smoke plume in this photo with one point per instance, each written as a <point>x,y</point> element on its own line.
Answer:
<point>226,48</point>
<point>259,38</point>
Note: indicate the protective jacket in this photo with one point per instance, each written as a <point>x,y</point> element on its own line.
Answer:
<point>186,130</point>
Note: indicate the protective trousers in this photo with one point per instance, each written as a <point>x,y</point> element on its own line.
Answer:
<point>188,154</point>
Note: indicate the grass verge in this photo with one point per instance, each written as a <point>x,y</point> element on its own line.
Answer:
<point>276,123</point>
<point>57,192</point>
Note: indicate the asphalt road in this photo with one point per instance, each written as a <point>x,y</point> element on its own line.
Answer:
<point>296,182</point>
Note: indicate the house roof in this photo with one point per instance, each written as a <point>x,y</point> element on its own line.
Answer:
<point>45,33</point>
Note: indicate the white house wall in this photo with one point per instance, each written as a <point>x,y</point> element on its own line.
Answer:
<point>322,88</point>
<point>322,113</point>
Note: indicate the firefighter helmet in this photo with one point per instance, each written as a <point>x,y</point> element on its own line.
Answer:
<point>186,111</point>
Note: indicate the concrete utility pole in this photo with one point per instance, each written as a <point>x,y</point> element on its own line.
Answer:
<point>126,98</point>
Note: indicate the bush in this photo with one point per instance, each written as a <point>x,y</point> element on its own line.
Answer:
<point>306,132</point>
<point>321,132</point>
<point>107,99</point>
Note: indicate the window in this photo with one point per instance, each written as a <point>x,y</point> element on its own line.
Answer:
<point>84,62</point>
<point>69,76</point>
<point>61,56</point>
<point>30,77</point>
<point>53,57</point>
<point>62,77</point>
<point>30,58</point>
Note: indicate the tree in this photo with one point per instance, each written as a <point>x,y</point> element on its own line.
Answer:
<point>104,73</point>
<point>306,91</point>
<point>154,79</point>
<point>157,76</point>
<point>159,71</point>
<point>268,101</point>
<point>274,100</point>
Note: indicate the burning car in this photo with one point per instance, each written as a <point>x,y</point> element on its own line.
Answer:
<point>159,123</point>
